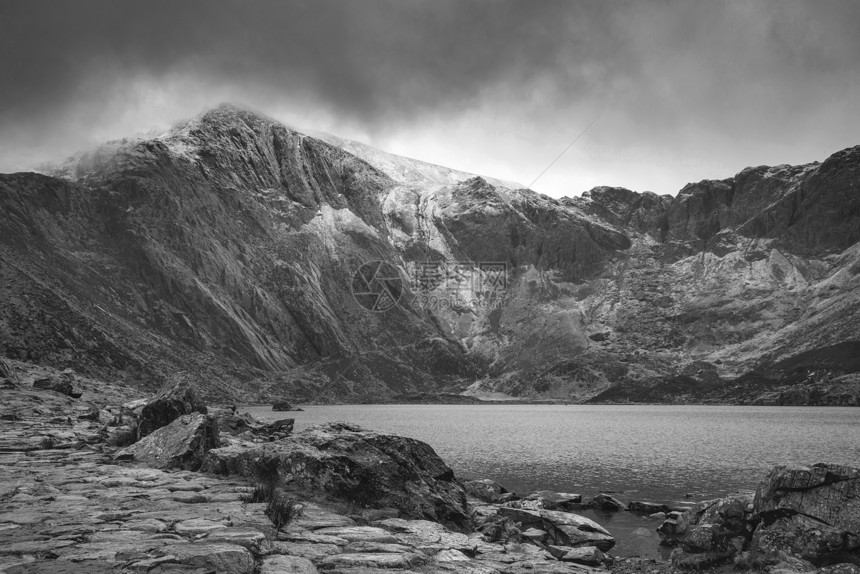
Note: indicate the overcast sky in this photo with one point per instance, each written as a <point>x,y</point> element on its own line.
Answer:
<point>683,90</point>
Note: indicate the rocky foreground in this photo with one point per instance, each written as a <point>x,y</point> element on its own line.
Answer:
<point>92,481</point>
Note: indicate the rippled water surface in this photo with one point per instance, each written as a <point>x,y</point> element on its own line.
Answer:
<point>656,453</point>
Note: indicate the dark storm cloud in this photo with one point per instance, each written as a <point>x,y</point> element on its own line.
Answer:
<point>371,57</point>
<point>674,75</point>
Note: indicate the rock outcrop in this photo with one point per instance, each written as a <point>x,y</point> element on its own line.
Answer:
<point>67,507</point>
<point>800,517</point>
<point>561,528</point>
<point>812,513</point>
<point>346,462</point>
<point>60,383</point>
<point>181,444</point>
<point>176,399</point>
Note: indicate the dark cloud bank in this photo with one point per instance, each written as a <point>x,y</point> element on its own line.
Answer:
<point>692,84</point>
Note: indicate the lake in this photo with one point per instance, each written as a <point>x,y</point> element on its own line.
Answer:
<point>671,454</point>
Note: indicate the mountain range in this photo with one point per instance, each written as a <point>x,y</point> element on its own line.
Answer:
<point>258,257</point>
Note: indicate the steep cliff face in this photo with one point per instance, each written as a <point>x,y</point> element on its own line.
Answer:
<point>226,246</point>
<point>229,246</point>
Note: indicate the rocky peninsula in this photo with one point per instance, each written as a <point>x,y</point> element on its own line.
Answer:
<point>97,478</point>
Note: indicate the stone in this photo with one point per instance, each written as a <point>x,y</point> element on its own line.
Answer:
<point>304,549</point>
<point>578,530</point>
<point>647,507</point>
<point>428,536</point>
<point>549,500</point>
<point>282,406</point>
<point>252,539</point>
<point>147,525</point>
<point>587,555</point>
<point>535,535</point>
<point>57,383</point>
<point>195,526</point>
<point>229,423</point>
<point>451,556</point>
<point>175,399</point>
<point>607,502</point>
<point>527,518</point>
<point>709,533</point>
<point>484,489</point>
<point>362,546</point>
<point>563,528</point>
<point>282,427</point>
<point>226,558</point>
<point>827,492</point>
<point>808,513</point>
<point>315,519</point>
<point>802,537</point>
<point>181,444</point>
<point>359,533</point>
<point>312,538</point>
<point>372,560</point>
<point>350,463</point>
<point>286,565</point>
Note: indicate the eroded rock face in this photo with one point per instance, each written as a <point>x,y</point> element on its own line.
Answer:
<point>812,513</point>
<point>174,400</point>
<point>181,444</point>
<point>710,533</point>
<point>347,462</point>
<point>801,517</point>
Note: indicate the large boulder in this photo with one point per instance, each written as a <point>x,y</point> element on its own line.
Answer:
<point>346,462</point>
<point>485,489</point>
<point>62,383</point>
<point>562,528</point>
<point>608,503</point>
<point>642,507</point>
<point>181,444</point>
<point>549,500</point>
<point>711,532</point>
<point>812,513</point>
<point>283,405</point>
<point>578,530</point>
<point>175,399</point>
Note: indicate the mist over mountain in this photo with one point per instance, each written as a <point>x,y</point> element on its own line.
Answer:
<point>229,247</point>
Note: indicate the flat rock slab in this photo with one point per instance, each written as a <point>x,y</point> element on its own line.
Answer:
<point>587,555</point>
<point>226,558</point>
<point>312,537</point>
<point>305,549</point>
<point>429,536</point>
<point>286,564</point>
<point>360,534</point>
<point>147,525</point>
<point>372,560</point>
<point>197,526</point>
<point>316,519</point>
<point>253,540</point>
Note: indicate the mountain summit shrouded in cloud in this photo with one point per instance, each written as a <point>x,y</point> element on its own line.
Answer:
<point>272,262</point>
<point>686,89</point>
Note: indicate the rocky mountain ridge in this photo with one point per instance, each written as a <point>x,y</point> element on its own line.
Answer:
<point>228,247</point>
